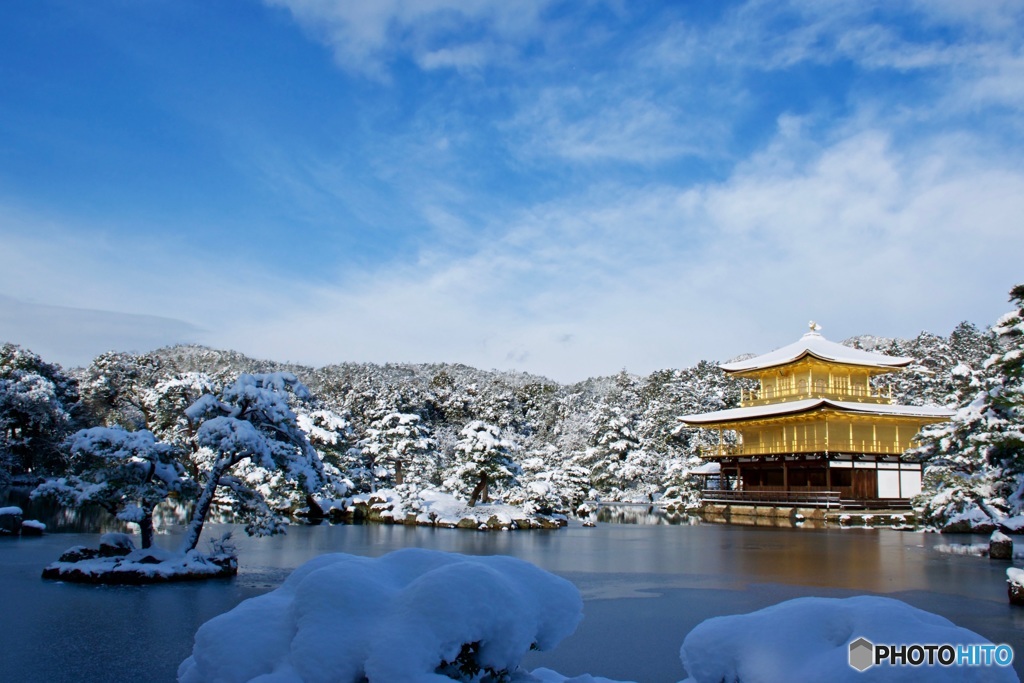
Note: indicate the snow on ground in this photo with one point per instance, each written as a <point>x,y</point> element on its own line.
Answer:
<point>445,509</point>
<point>11,510</point>
<point>807,640</point>
<point>399,617</point>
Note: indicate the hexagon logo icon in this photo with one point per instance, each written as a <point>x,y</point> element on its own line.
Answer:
<point>862,654</point>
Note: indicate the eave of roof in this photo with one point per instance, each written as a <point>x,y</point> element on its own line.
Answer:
<point>815,345</point>
<point>813,404</point>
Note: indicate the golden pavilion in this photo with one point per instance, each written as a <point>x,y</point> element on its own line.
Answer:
<point>815,432</point>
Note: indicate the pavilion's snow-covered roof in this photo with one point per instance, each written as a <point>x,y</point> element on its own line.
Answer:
<point>809,404</point>
<point>813,344</point>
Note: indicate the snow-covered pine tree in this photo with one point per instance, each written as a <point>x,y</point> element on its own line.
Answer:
<point>977,459</point>
<point>1004,445</point>
<point>484,459</point>
<point>38,404</point>
<point>398,448</point>
<point>926,381</point>
<point>251,421</point>
<point>970,346</point>
<point>165,405</point>
<point>114,388</point>
<point>126,473</point>
<point>549,486</point>
<point>332,436</point>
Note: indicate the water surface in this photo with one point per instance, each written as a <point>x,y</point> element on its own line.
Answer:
<point>644,586</point>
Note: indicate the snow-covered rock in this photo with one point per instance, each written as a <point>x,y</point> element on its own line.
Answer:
<point>117,561</point>
<point>1000,546</point>
<point>808,639</point>
<point>116,544</point>
<point>973,520</point>
<point>10,520</point>
<point>411,615</point>
<point>32,527</point>
<point>1015,579</point>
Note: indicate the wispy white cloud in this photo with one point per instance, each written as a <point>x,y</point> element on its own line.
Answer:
<point>859,234</point>
<point>538,218</point>
<point>366,37</point>
<point>962,39</point>
<point>864,237</point>
<point>594,123</point>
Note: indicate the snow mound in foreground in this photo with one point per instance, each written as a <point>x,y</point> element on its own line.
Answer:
<point>807,639</point>
<point>399,617</point>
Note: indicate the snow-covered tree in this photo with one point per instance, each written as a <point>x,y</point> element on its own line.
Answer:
<point>250,421</point>
<point>549,486</point>
<point>37,402</point>
<point>977,459</point>
<point>1004,444</point>
<point>126,473</point>
<point>164,406</point>
<point>398,447</point>
<point>114,388</point>
<point>331,435</point>
<point>615,446</point>
<point>484,459</point>
<point>970,346</point>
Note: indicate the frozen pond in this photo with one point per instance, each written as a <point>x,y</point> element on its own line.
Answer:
<point>645,587</point>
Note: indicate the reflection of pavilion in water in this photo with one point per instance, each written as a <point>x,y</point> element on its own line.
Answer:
<point>815,432</point>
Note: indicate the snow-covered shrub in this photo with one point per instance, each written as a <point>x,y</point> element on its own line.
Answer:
<point>411,615</point>
<point>807,640</point>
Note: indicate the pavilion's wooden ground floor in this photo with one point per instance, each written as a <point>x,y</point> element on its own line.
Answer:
<point>827,479</point>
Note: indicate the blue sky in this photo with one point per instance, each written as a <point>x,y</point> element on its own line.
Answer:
<point>566,188</point>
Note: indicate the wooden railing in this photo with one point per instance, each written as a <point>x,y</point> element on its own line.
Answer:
<point>836,446</point>
<point>825,499</point>
<point>753,397</point>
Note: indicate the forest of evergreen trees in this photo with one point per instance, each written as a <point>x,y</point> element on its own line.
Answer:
<point>541,444</point>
